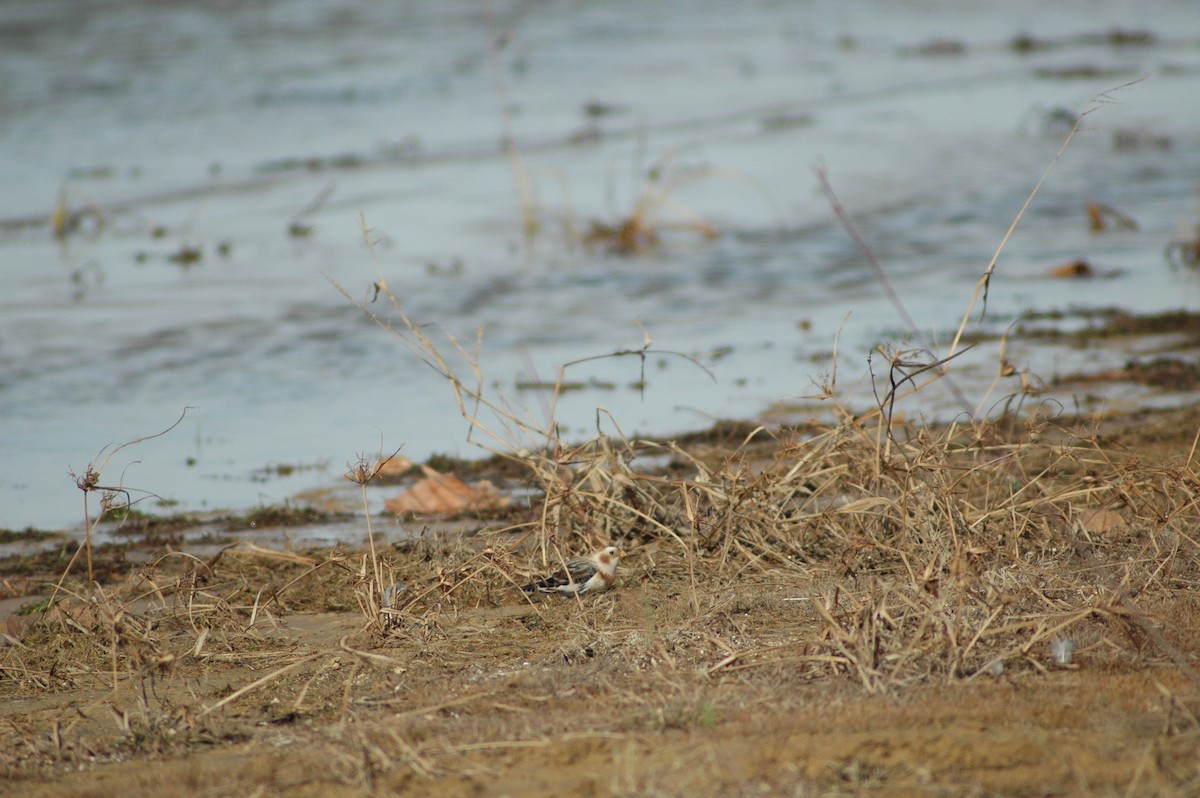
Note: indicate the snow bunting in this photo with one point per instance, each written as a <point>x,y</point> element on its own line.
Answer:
<point>590,574</point>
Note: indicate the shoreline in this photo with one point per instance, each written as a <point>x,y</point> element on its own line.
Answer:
<point>843,612</point>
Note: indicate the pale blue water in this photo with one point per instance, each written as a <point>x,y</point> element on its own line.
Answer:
<point>190,124</point>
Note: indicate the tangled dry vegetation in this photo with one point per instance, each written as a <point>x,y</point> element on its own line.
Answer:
<point>782,591</point>
<point>869,608</point>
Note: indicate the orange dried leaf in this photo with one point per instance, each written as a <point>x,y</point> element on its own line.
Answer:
<point>1101,521</point>
<point>1101,217</point>
<point>445,494</point>
<point>67,610</point>
<point>17,625</point>
<point>1073,270</point>
<point>393,467</point>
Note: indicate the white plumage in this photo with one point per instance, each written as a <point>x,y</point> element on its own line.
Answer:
<point>591,574</point>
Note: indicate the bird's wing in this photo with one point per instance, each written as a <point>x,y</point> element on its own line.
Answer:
<point>580,569</point>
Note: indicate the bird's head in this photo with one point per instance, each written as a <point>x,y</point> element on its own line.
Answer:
<point>609,555</point>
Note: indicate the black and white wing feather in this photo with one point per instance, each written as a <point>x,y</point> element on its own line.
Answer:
<point>589,574</point>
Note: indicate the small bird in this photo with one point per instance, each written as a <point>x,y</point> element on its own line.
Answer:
<point>590,574</point>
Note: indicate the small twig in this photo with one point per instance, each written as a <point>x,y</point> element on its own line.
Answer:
<point>236,694</point>
<point>869,255</point>
<point>981,288</point>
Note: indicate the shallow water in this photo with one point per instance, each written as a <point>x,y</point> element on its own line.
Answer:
<point>216,127</point>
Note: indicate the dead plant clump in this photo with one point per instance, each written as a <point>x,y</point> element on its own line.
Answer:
<point>791,600</point>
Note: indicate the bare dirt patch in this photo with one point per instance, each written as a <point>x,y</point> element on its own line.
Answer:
<point>1004,609</point>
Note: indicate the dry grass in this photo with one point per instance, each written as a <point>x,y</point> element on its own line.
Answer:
<point>987,607</point>
<point>788,580</point>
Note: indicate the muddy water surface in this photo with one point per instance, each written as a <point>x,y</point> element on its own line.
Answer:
<point>216,166</point>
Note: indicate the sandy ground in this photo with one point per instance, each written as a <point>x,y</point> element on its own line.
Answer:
<point>714,668</point>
